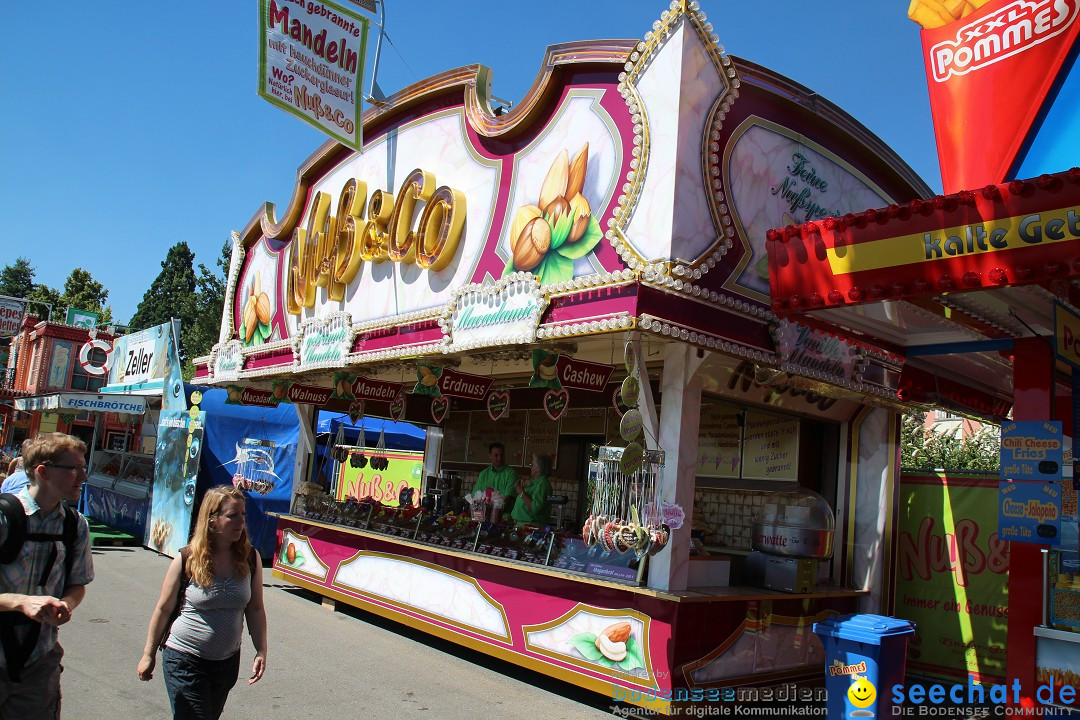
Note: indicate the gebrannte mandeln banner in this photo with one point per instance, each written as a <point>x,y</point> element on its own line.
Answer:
<point>311,64</point>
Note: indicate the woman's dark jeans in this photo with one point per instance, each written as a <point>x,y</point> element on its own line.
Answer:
<point>198,688</point>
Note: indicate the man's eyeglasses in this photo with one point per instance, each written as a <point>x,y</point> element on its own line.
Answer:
<point>80,468</point>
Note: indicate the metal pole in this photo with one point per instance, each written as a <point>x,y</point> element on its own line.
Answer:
<point>28,300</point>
<point>378,48</point>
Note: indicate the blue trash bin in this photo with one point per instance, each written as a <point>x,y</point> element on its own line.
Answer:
<point>865,655</point>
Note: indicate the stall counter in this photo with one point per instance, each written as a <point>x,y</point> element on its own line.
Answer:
<point>615,638</point>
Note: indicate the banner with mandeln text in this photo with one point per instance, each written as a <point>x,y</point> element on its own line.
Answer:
<point>311,64</point>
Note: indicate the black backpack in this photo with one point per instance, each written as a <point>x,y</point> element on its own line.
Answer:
<point>16,653</point>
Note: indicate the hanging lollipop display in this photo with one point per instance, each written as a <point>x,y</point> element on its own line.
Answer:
<point>626,512</point>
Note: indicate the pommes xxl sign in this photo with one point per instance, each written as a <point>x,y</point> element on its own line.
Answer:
<point>989,76</point>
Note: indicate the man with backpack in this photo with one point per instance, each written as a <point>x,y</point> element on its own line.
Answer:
<point>45,565</point>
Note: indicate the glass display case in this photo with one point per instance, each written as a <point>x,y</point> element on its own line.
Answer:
<point>509,540</point>
<point>128,473</point>
<point>797,523</point>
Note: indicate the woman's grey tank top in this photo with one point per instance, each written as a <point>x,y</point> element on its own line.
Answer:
<point>211,622</point>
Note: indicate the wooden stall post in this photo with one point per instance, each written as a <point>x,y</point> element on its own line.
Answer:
<point>680,416</point>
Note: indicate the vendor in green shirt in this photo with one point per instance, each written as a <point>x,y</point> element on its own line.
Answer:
<point>532,505</point>
<point>499,476</point>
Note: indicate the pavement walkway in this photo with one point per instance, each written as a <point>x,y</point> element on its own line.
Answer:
<point>321,664</point>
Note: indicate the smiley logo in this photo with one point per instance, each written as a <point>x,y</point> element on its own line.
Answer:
<point>862,692</point>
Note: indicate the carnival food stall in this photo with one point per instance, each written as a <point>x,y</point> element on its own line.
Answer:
<point>585,278</point>
<point>977,290</point>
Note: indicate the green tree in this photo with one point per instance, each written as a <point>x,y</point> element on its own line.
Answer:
<point>17,278</point>
<point>172,294</point>
<point>45,294</point>
<point>925,449</point>
<point>202,335</point>
<point>81,291</point>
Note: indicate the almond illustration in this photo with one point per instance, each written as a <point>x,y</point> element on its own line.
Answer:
<point>578,167</point>
<point>619,632</point>
<point>611,642</point>
<point>290,553</point>
<point>249,319</point>
<point>262,308</point>
<point>555,182</point>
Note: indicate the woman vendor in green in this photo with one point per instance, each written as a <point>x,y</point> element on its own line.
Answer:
<point>532,505</point>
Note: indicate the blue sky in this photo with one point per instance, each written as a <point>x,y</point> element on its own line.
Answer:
<point>128,125</point>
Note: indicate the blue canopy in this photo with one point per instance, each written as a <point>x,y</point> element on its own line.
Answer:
<point>399,435</point>
<point>230,425</point>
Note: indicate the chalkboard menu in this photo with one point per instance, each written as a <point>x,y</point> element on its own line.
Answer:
<point>543,435</point>
<point>771,448</point>
<point>509,430</point>
<point>719,453</point>
<point>455,437</point>
<point>583,421</point>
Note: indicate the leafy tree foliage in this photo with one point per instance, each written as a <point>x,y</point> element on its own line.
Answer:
<point>211,299</point>
<point>17,279</point>
<point>925,449</point>
<point>80,291</point>
<point>83,292</point>
<point>171,295</point>
<point>195,298</point>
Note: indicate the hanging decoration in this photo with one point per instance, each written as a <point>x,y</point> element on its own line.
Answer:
<point>356,411</point>
<point>545,372</point>
<point>397,408</point>
<point>378,459</point>
<point>359,459</point>
<point>427,379</point>
<point>439,407</point>
<point>616,402</point>
<point>339,452</point>
<point>625,513</point>
<point>498,403</point>
<point>555,403</point>
<point>254,466</point>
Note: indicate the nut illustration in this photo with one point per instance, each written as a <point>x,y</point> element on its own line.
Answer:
<point>580,212</point>
<point>427,378</point>
<point>578,166</point>
<point>262,308</point>
<point>546,369</point>
<point>611,642</point>
<point>557,209</point>
<point>532,245</point>
<point>555,181</point>
<point>524,215</point>
<point>343,387</point>
<point>281,391</point>
<point>249,319</point>
<point>290,553</point>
